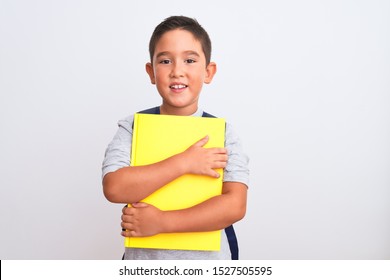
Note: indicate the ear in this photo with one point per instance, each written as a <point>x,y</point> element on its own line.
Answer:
<point>211,69</point>
<point>150,71</point>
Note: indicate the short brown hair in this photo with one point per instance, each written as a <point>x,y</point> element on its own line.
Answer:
<point>184,23</point>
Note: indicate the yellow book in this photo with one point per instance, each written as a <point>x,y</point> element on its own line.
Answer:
<point>157,137</point>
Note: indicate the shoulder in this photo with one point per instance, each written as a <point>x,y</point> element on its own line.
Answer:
<point>230,134</point>
<point>127,123</point>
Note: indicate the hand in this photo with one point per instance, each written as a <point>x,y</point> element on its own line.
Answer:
<point>141,219</point>
<point>203,161</point>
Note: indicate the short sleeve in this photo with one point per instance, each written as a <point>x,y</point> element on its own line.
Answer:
<point>117,154</point>
<point>237,169</point>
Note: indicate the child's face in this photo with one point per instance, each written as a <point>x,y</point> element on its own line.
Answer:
<point>179,70</point>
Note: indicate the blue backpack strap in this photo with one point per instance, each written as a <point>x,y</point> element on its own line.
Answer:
<point>207,115</point>
<point>153,111</point>
<point>233,243</point>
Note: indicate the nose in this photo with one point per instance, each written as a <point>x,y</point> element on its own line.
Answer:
<point>177,70</point>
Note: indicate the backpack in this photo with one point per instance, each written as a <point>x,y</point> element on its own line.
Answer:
<point>230,233</point>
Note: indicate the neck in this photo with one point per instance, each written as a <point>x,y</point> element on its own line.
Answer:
<point>167,110</point>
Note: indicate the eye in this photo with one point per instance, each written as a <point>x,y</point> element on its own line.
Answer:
<point>190,60</point>
<point>165,61</point>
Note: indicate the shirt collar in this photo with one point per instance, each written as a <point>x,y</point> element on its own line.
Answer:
<point>198,113</point>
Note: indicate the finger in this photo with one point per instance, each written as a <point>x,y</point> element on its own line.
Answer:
<point>124,208</point>
<point>127,218</point>
<point>221,151</point>
<point>221,157</point>
<point>128,233</point>
<point>219,164</point>
<point>127,226</point>
<point>202,141</point>
<point>213,173</point>
<point>134,233</point>
<point>128,211</point>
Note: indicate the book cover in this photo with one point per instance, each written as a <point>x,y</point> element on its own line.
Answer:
<point>157,137</point>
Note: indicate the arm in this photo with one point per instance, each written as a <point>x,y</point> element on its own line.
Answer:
<point>132,184</point>
<point>216,213</point>
<point>213,214</point>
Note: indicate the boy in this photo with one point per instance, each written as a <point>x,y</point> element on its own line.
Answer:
<point>180,52</point>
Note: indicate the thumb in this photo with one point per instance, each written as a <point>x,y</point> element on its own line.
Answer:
<point>139,205</point>
<point>202,141</point>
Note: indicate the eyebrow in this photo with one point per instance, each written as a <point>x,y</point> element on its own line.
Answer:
<point>185,52</point>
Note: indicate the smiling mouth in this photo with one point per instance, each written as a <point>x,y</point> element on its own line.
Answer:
<point>178,86</point>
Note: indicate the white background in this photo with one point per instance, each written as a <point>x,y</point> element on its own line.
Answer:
<point>306,84</point>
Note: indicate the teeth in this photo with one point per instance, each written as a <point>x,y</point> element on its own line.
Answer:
<point>178,86</point>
